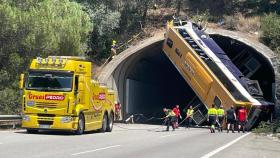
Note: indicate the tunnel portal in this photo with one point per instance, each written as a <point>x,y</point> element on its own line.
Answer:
<point>147,81</point>
<point>250,62</point>
<point>150,82</point>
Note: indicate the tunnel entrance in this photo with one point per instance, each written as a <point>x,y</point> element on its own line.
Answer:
<point>251,63</point>
<point>146,81</point>
<point>151,83</point>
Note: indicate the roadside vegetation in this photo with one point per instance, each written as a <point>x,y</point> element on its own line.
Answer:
<point>31,28</point>
<point>268,128</point>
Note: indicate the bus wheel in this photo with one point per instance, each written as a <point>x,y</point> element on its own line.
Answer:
<point>81,125</point>
<point>110,123</point>
<point>31,131</point>
<point>104,123</point>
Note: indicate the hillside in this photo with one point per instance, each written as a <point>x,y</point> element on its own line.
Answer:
<point>31,28</point>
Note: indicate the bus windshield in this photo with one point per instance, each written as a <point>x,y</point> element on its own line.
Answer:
<point>49,81</point>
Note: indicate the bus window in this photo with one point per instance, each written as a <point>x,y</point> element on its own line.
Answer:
<point>169,42</point>
<point>217,101</point>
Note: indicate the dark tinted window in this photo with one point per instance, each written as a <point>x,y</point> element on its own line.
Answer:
<point>217,101</point>
<point>49,81</point>
<point>178,52</point>
<point>169,42</point>
<point>76,83</point>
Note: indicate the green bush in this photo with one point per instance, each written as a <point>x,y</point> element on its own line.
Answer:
<point>265,127</point>
<point>270,27</point>
<point>31,28</point>
<point>107,21</point>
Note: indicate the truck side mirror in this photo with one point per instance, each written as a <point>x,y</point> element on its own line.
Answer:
<point>21,81</point>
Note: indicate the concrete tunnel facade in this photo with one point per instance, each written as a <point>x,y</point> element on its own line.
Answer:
<point>146,81</point>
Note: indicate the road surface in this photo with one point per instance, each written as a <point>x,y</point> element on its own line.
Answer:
<point>140,141</point>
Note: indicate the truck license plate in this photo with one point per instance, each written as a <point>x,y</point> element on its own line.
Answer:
<point>44,126</point>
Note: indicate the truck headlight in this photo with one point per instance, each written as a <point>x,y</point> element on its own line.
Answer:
<point>30,103</point>
<point>66,119</point>
<point>25,118</point>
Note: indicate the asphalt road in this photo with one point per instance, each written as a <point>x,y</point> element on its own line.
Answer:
<point>140,141</point>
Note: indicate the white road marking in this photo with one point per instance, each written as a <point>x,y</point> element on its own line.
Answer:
<point>89,151</point>
<point>224,147</point>
<point>169,135</point>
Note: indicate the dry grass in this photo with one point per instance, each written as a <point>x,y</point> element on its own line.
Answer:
<point>161,12</point>
<point>238,22</point>
<point>250,24</point>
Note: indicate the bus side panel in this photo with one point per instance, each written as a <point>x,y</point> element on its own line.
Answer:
<point>217,91</point>
<point>195,72</point>
<point>190,68</point>
<point>201,81</point>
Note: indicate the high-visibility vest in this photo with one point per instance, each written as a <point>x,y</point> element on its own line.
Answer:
<point>221,112</point>
<point>169,113</point>
<point>212,112</point>
<point>190,112</point>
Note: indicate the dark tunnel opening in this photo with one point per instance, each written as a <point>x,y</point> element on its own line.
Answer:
<point>153,83</point>
<point>147,81</point>
<point>251,63</point>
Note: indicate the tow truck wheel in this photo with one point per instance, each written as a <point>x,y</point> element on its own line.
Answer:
<point>31,131</point>
<point>104,123</point>
<point>110,123</point>
<point>81,125</point>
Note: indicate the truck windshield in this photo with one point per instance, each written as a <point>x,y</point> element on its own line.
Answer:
<point>49,81</point>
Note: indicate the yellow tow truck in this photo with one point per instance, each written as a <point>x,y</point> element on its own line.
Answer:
<point>58,93</point>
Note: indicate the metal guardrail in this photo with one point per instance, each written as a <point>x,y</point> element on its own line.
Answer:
<point>10,120</point>
<point>10,117</point>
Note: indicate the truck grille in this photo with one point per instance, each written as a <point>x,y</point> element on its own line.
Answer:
<point>45,119</point>
<point>46,115</point>
<point>45,122</point>
<point>46,105</point>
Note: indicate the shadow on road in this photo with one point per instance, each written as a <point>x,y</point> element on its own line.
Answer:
<point>55,133</point>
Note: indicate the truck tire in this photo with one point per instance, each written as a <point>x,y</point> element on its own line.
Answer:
<point>110,123</point>
<point>104,123</point>
<point>31,131</point>
<point>81,125</point>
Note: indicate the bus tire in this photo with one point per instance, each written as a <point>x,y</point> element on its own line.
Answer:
<point>110,123</point>
<point>81,125</point>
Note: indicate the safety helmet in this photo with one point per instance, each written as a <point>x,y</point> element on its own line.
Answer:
<point>114,42</point>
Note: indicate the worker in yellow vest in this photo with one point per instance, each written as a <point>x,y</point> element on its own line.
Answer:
<point>221,116</point>
<point>212,118</point>
<point>170,118</point>
<point>114,48</point>
<point>189,117</point>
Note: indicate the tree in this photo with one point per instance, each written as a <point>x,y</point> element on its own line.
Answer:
<point>167,3</point>
<point>178,7</point>
<point>32,28</point>
<point>270,26</point>
<point>106,21</point>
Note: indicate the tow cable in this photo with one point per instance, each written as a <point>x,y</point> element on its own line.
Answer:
<point>147,119</point>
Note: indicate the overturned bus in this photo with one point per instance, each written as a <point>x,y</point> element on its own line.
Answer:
<point>211,74</point>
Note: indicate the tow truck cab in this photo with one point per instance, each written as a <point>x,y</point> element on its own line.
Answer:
<point>58,93</point>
